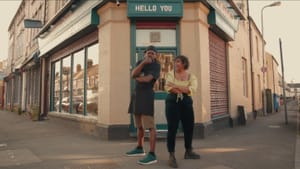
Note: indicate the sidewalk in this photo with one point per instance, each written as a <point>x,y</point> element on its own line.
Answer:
<point>264,143</point>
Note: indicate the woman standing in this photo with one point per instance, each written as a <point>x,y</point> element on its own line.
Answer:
<point>180,85</point>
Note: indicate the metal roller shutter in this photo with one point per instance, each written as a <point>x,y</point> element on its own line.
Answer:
<point>218,76</point>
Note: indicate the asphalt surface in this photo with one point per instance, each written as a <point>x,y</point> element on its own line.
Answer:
<point>264,143</point>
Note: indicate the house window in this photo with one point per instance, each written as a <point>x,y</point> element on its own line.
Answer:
<point>244,74</point>
<point>259,89</point>
<point>257,48</point>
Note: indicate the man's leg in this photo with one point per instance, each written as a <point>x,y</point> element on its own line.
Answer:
<point>139,150</point>
<point>152,139</point>
<point>138,122</point>
<point>150,158</point>
<point>141,135</point>
<point>148,123</point>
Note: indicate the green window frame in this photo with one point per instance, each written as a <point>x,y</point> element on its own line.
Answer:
<point>71,94</point>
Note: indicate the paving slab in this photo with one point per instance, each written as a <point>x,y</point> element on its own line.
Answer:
<point>17,157</point>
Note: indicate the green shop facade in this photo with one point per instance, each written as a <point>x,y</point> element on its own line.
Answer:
<point>88,66</point>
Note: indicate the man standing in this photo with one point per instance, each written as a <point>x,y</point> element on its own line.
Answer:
<point>145,74</point>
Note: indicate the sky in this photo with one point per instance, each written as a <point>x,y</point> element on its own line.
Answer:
<point>8,8</point>
<point>279,22</point>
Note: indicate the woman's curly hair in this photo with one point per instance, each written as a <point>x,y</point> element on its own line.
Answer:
<point>184,60</point>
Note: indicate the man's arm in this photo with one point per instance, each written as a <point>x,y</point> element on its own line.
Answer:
<point>138,69</point>
<point>147,78</point>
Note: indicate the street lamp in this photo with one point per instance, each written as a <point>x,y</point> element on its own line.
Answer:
<point>283,82</point>
<point>263,52</point>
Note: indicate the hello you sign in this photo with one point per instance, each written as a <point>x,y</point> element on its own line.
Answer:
<point>155,9</point>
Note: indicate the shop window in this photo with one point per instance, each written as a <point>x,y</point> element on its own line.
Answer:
<point>66,84</point>
<point>73,76</point>
<point>78,82</point>
<point>28,86</point>
<point>8,92</point>
<point>166,65</point>
<point>32,92</point>
<point>36,86</point>
<point>92,79</point>
<point>17,89</point>
<point>56,86</point>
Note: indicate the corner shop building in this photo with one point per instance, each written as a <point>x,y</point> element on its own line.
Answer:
<point>91,58</point>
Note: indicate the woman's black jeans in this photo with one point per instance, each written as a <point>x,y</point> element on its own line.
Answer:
<point>179,110</point>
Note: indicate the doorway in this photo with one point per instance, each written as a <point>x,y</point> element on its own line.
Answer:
<point>165,57</point>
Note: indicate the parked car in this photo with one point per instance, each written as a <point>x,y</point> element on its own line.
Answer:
<point>91,103</point>
<point>65,104</point>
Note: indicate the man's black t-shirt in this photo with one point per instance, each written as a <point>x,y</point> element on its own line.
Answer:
<point>153,69</point>
<point>142,101</point>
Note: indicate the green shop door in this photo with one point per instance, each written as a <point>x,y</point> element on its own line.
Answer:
<point>165,57</point>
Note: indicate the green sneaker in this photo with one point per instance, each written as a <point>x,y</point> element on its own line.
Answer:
<point>136,152</point>
<point>149,159</point>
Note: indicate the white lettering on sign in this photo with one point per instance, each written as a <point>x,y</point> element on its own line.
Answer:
<point>166,8</point>
<point>146,8</point>
<point>153,8</point>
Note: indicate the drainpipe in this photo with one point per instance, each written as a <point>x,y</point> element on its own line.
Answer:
<point>42,84</point>
<point>251,58</point>
<point>274,89</point>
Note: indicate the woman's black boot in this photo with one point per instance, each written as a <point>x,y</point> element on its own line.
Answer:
<point>189,154</point>
<point>172,161</point>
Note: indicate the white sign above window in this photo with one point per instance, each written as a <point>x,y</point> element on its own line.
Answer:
<point>157,37</point>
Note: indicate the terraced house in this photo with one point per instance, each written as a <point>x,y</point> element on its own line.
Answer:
<point>73,60</point>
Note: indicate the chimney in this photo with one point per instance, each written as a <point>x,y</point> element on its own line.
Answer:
<point>89,63</point>
<point>78,67</point>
